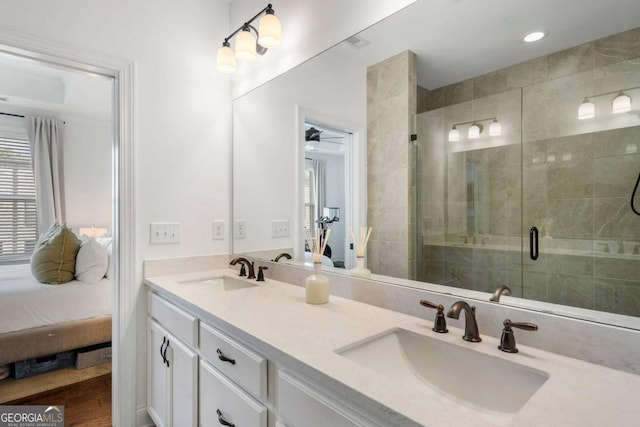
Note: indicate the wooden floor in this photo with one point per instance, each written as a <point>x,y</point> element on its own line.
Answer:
<point>86,404</point>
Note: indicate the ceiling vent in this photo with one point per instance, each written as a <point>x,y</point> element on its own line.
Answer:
<point>357,42</point>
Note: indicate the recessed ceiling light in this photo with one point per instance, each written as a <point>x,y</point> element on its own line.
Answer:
<point>533,36</point>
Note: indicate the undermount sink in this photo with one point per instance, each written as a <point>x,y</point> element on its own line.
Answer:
<point>225,283</point>
<point>465,375</point>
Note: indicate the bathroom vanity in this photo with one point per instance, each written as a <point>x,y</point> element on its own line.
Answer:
<point>231,351</point>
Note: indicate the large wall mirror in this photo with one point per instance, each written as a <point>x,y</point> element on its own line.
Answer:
<point>479,159</point>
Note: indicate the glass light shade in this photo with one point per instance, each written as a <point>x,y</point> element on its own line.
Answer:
<point>495,128</point>
<point>270,31</point>
<point>474,131</point>
<point>586,110</point>
<point>621,104</point>
<point>245,46</point>
<point>454,135</point>
<point>226,60</point>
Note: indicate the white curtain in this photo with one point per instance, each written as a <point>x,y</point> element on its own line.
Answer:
<point>320,192</point>
<point>45,139</point>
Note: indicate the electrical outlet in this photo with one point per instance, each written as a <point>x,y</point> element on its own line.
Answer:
<point>240,229</point>
<point>218,230</point>
<point>279,228</point>
<point>164,233</point>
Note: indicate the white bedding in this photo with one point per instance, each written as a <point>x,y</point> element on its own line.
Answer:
<point>26,303</point>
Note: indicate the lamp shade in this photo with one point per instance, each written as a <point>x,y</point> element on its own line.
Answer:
<point>586,110</point>
<point>93,231</point>
<point>474,131</point>
<point>454,134</point>
<point>270,31</point>
<point>226,60</point>
<point>495,128</point>
<point>245,46</point>
<point>621,103</point>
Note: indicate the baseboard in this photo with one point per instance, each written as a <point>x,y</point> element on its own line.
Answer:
<point>142,418</point>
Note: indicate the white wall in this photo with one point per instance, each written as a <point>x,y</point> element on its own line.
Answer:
<point>308,28</point>
<point>182,111</point>
<point>87,172</point>
<point>266,145</point>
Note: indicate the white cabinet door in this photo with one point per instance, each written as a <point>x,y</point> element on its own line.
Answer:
<point>158,379</point>
<point>184,384</point>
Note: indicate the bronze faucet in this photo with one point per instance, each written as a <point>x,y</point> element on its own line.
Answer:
<point>245,263</point>
<point>282,255</point>
<point>508,339</point>
<point>500,290</point>
<point>471,332</point>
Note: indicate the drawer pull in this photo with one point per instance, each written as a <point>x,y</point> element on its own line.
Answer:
<point>221,419</point>
<point>164,355</point>
<point>164,340</point>
<point>225,358</point>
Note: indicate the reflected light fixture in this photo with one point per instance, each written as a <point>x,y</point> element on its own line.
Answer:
<point>586,110</point>
<point>474,131</point>
<point>454,134</point>
<point>495,128</point>
<point>268,36</point>
<point>533,36</point>
<point>621,103</point>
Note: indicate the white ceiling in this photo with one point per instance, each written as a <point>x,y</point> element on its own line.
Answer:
<point>28,85</point>
<point>458,39</point>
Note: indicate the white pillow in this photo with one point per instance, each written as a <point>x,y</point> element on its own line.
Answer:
<point>106,243</point>
<point>92,261</point>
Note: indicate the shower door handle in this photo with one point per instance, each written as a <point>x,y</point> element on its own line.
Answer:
<point>533,243</point>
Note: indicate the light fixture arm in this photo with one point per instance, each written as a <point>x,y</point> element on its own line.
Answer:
<point>474,121</point>
<point>261,50</point>
<point>610,93</point>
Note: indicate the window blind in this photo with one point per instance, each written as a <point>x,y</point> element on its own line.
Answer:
<point>18,222</point>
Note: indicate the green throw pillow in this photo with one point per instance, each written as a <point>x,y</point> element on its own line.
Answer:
<point>54,257</point>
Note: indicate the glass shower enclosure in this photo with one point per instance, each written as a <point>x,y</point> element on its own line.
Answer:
<point>540,202</point>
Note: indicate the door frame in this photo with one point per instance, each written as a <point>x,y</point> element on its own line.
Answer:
<point>124,291</point>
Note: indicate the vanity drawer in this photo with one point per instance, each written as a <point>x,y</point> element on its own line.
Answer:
<point>180,323</point>
<point>303,406</point>
<point>243,365</point>
<point>218,393</point>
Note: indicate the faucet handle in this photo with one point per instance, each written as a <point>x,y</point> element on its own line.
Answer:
<point>243,270</point>
<point>508,339</point>
<point>260,273</point>
<point>440,323</point>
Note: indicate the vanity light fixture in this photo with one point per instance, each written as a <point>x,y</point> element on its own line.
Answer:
<point>621,103</point>
<point>454,134</point>
<point>248,46</point>
<point>495,128</point>
<point>475,129</point>
<point>586,110</point>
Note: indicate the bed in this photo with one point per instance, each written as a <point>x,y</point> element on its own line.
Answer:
<point>38,319</point>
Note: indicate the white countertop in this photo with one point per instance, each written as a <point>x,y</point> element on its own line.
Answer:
<point>275,319</point>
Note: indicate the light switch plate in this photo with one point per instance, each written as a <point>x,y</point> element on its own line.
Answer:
<point>240,229</point>
<point>280,228</point>
<point>162,233</point>
<point>218,230</point>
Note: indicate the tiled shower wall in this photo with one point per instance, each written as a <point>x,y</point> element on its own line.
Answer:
<point>571,178</point>
<point>391,107</point>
